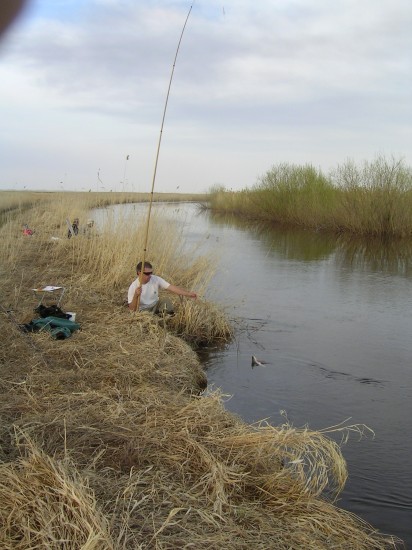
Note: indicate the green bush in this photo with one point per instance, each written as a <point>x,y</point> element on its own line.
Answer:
<point>374,198</point>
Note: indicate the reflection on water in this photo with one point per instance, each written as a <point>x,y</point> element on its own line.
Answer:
<point>295,244</point>
<point>369,254</point>
<point>298,244</point>
<point>392,257</point>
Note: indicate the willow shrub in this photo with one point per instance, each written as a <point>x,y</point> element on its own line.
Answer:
<point>285,194</point>
<point>375,198</point>
<point>295,194</point>
<point>372,199</point>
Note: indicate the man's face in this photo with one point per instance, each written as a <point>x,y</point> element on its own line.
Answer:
<point>145,276</point>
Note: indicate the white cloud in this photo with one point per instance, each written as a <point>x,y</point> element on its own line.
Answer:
<point>255,83</point>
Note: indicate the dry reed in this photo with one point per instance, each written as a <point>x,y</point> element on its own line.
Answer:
<point>46,504</point>
<point>106,440</point>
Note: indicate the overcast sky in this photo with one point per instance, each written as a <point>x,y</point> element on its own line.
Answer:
<point>257,82</point>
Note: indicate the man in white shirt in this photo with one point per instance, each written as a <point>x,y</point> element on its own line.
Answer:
<point>148,291</point>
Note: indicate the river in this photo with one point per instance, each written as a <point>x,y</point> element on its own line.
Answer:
<point>332,321</point>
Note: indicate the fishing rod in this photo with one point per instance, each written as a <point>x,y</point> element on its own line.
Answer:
<point>157,153</point>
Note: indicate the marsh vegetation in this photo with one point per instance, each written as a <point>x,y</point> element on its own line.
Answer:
<point>106,439</point>
<point>371,199</point>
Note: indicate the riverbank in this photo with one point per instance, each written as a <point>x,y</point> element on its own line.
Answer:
<point>107,441</point>
<point>371,200</point>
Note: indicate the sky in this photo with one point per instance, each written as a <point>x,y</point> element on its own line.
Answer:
<point>256,83</point>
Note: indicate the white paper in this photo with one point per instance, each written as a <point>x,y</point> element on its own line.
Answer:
<point>48,288</point>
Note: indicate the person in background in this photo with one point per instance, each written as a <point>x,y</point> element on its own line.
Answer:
<point>148,291</point>
<point>26,230</point>
<point>74,229</point>
<point>75,226</point>
<point>87,230</point>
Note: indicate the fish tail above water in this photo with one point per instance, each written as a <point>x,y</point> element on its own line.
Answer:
<point>256,362</point>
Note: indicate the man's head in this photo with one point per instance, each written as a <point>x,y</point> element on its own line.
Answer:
<point>147,271</point>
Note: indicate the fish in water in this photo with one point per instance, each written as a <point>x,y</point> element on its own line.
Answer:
<point>256,362</point>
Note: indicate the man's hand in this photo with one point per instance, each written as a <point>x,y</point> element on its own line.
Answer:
<point>182,291</point>
<point>133,303</point>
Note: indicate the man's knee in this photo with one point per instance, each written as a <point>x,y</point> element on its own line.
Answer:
<point>164,306</point>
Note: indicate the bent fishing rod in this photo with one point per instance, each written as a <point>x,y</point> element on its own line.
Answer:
<point>157,153</point>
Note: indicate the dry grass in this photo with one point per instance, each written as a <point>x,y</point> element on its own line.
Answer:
<point>97,268</point>
<point>22,200</point>
<point>106,439</point>
<point>201,323</point>
<point>46,504</point>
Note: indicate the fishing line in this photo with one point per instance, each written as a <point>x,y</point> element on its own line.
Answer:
<point>158,151</point>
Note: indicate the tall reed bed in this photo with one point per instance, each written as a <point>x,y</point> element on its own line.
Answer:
<point>372,199</point>
<point>102,260</point>
<point>14,202</point>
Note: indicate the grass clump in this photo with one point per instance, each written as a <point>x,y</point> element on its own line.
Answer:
<point>201,323</point>
<point>45,503</point>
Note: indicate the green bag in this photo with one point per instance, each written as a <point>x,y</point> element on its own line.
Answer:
<point>59,328</point>
<point>60,333</point>
<point>49,323</point>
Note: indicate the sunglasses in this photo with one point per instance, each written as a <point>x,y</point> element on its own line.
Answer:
<point>147,272</point>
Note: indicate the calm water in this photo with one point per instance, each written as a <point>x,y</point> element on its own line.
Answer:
<point>333,321</point>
